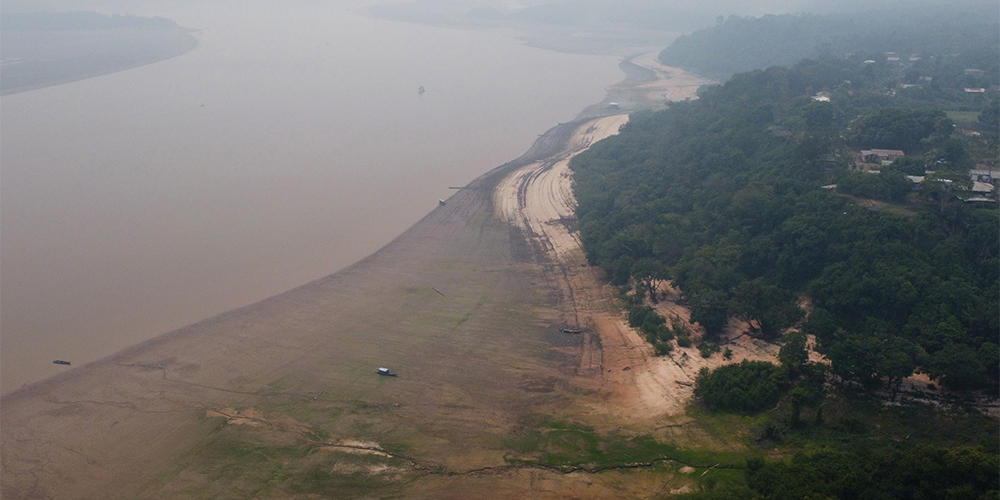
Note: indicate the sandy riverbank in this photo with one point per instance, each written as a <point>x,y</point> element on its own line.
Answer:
<point>635,386</point>
<point>280,398</point>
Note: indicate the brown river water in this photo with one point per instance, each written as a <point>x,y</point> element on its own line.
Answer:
<point>291,143</point>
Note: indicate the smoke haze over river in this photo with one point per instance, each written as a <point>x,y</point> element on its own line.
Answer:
<point>290,144</point>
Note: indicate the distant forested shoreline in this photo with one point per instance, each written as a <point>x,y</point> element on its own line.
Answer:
<point>738,44</point>
<point>44,49</point>
<point>80,20</point>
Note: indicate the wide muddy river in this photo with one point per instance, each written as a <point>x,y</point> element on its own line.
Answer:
<point>291,143</point>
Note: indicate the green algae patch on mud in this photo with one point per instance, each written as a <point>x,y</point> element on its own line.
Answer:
<point>569,446</point>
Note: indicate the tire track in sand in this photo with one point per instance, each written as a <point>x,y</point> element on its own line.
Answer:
<point>633,385</point>
<point>538,199</point>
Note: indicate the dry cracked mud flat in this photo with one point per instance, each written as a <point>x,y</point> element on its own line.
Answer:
<point>280,398</point>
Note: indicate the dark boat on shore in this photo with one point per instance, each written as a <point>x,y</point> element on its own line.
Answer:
<point>61,362</point>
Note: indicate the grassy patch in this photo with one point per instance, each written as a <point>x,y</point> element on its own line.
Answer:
<point>253,462</point>
<point>566,445</point>
<point>963,117</point>
<point>245,467</point>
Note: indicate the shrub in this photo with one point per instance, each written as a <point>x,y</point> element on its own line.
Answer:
<point>746,387</point>
<point>663,348</point>
<point>707,348</point>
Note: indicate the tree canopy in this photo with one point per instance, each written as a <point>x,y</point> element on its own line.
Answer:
<point>964,36</point>
<point>746,387</point>
<point>727,193</point>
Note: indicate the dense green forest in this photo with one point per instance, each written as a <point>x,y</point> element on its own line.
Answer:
<point>889,472</point>
<point>726,192</point>
<point>941,38</point>
<point>754,201</point>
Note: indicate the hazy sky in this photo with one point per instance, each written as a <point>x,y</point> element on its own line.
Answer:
<point>713,7</point>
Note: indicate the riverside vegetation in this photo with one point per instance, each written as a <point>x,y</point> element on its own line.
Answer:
<point>753,201</point>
